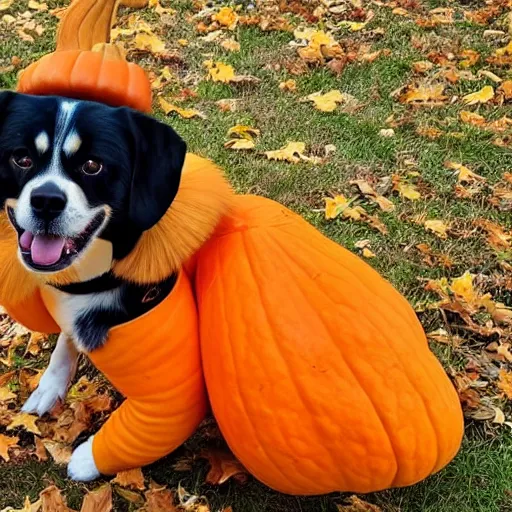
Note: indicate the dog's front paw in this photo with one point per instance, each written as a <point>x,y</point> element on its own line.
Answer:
<point>52,387</point>
<point>82,467</point>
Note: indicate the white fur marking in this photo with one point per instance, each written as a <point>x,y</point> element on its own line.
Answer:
<point>82,467</point>
<point>55,380</point>
<point>62,126</point>
<point>72,143</point>
<point>42,142</point>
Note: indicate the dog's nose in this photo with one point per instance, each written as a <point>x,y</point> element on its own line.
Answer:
<point>48,201</point>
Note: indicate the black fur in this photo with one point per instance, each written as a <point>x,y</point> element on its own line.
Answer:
<point>92,327</point>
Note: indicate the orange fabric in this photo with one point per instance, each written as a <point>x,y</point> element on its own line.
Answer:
<point>318,371</point>
<point>154,362</point>
<point>32,314</point>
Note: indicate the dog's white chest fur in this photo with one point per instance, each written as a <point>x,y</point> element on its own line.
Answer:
<point>66,308</point>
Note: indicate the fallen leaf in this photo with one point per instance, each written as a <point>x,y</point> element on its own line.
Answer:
<point>149,42</point>
<point>470,58</point>
<point>404,189</point>
<point>6,394</point>
<point>387,132</point>
<point>438,227</point>
<point>356,504</point>
<point>490,75</point>
<point>165,77</point>
<point>35,343</point>
<point>27,507</point>
<point>326,102</point>
<point>425,94</point>
<point>25,421</point>
<point>429,132</point>
<point>5,4</point>
<point>226,17</point>
<point>182,112</point>
<point>223,467</point>
<point>6,443</point>
<point>496,236</point>
<point>130,496</point>
<point>340,205</point>
<point>482,96</point>
<point>183,42</point>
<point>37,6</point>
<point>132,479</point>
<point>499,418</point>
<point>506,89</point>
<point>464,175</point>
<point>353,26</point>
<point>289,85</point>
<point>472,118</point>
<point>231,45</point>
<point>293,152</point>
<point>52,500</point>
<point>367,253</point>
<point>99,500</point>
<point>422,66</point>
<point>228,105</point>
<point>60,452</point>
<point>367,190</point>
<point>442,336</point>
<point>505,383</point>
<point>40,451</point>
<point>159,500</point>
<point>220,72</point>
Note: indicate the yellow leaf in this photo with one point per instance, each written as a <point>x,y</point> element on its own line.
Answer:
<point>32,4</point>
<point>185,113</point>
<point>505,383</point>
<point>6,443</point>
<point>422,66</point>
<point>438,227</point>
<point>326,102</point>
<point>367,253</point>
<point>490,75</point>
<point>5,4</point>
<point>424,94</point>
<point>149,42</point>
<point>6,394</point>
<point>339,205</point>
<point>353,26</point>
<point>163,78</point>
<point>243,131</point>
<point>472,118</point>
<point>27,421</point>
<point>183,42</point>
<point>289,85</point>
<point>463,287</point>
<point>482,96</point>
<point>220,72</point>
<point>8,19</point>
<point>231,45</point>
<point>465,175</point>
<point>239,144</point>
<point>227,17</point>
<point>293,152</point>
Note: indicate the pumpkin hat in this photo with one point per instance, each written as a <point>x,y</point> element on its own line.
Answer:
<point>317,370</point>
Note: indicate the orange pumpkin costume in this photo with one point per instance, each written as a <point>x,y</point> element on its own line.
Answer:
<point>317,369</point>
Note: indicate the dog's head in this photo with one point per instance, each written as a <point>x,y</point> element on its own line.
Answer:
<point>73,171</point>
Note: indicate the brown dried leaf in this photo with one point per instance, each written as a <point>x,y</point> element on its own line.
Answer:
<point>40,451</point>
<point>99,500</point>
<point>130,496</point>
<point>6,443</point>
<point>132,479</point>
<point>424,95</point>
<point>159,500</point>
<point>52,500</point>
<point>223,467</point>
<point>356,504</point>
<point>60,453</point>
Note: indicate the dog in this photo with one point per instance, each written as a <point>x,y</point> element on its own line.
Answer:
<point>80,183</point>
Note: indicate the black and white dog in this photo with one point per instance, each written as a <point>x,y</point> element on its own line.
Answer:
<point>73,173</point>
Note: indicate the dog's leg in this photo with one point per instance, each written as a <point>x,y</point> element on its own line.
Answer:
<point>55,380</point>
<point>82,467</point>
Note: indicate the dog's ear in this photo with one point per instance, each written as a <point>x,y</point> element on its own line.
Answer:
<point>5,98</point>
<point>7,185</point>
<point>158,160</point>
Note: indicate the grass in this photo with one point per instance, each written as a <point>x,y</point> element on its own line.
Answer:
<point>480,477</point>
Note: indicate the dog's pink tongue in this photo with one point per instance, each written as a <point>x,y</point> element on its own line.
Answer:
<point>46,250</point>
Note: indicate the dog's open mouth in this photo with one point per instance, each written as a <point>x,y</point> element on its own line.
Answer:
<point>50,253</point>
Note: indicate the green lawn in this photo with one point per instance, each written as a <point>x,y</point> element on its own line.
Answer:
<point>480,478</point>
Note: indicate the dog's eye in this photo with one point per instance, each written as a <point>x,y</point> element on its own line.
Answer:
<point>21,160</point>
<point>91,167</point>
